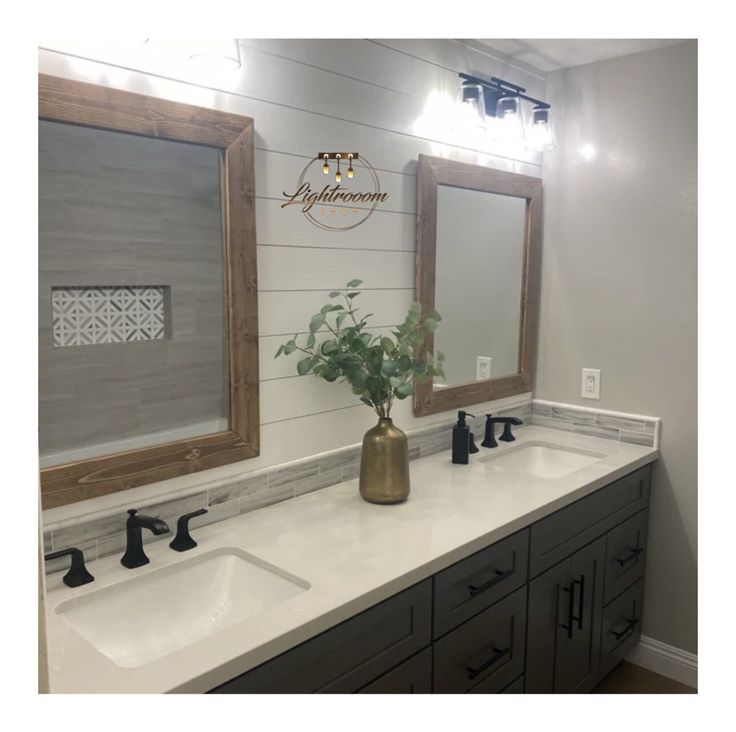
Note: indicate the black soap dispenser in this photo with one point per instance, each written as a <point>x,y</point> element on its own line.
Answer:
<point>461,440</point>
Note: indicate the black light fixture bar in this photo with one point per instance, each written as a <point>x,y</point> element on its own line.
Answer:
<point>495,88</point>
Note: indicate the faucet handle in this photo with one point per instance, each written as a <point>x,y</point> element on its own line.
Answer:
<point>183,541</point>
<point>507,436</point>
<point>78,573</point>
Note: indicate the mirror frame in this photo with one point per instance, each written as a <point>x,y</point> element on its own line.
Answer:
<point>90,105</point>
<point>434,171</point>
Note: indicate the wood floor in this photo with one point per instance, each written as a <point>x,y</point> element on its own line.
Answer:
<point>628,678</point>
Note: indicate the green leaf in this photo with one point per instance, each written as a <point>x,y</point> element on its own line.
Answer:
<point>341,318</point>
<point>335,293</point>
<point>434,315</point>
<point>289,347</point>
<point>354,283</point>
<point>279,352</point>
<point>317,322</point>
<point>311,340</point>
<point>404,390</point>
<point>404,363</point>
<point>351,295</point>
<point>305,365</point>
<point>387,344</point>
<point>430,324</point>
<point>330,347</point>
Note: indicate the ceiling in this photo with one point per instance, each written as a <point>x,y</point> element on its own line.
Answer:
<point>559,53</point>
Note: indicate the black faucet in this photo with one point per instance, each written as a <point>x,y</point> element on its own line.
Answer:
<point>78,573</point>
<point>490,437</point>
<point>134,555</point>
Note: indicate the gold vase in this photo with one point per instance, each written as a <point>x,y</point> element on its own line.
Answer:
<point>384,464</point>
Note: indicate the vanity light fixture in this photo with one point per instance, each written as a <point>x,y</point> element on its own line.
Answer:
<point>338,175</point>
<point>351,172</point>
<point>502,102</point>
<point>325,167</point>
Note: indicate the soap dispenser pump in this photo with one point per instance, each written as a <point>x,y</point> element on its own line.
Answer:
<point>461,439</point>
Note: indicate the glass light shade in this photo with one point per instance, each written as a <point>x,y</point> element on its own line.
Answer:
<point>539,134</point>
<point>219,55</point>
<point>471,111</point>
<point>509,126</point>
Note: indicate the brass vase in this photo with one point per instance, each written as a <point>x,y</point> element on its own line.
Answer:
<point>384,464</point>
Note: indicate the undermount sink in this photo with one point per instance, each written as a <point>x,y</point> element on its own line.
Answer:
<point>542,460</point>
<point>147,617</point>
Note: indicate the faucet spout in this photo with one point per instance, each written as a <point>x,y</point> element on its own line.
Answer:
<point>134,555</point>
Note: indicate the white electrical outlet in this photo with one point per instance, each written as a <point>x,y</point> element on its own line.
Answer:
<point>591,384</point>
<point>483,367</point>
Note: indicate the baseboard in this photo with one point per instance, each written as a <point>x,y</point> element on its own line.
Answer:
<point>674,663</point>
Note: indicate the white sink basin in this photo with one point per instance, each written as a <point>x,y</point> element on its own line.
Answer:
<point>147,617</point>
<point>542,460</point>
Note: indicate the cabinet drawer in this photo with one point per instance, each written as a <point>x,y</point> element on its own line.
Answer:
<point>488,650</point>
<point>347,657</point>
<point>621,628</point>
<point>466,588</point>
<point>625,554</point>
<point>414,676</point>
<point>559,535</point>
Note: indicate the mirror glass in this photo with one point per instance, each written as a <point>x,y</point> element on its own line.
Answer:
<point>478,283</point>
<point>132,349</point>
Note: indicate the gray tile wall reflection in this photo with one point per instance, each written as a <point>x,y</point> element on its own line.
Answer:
<point>119,210</point>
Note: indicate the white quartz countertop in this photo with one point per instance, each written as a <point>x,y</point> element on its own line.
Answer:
<point>352,553</point>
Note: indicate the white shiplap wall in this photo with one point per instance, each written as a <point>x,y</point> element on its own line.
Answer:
<point>306,96</point>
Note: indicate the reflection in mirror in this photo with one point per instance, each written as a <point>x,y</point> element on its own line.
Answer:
<point>478,282</point>
<point>132,349</point>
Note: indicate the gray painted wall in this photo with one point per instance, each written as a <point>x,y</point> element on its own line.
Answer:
<point>480,249</point>
<point>619,283</point>
<point>117,209</point>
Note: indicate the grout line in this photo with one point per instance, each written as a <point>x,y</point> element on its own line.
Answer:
<point>327,289</point>
<point>340,249</point>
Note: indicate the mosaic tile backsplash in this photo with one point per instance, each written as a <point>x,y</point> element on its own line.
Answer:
<point>103,536</point>
<point>84,316</point>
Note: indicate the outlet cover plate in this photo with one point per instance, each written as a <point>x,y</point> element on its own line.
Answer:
<point>483,367</point>
<point>590,387</point>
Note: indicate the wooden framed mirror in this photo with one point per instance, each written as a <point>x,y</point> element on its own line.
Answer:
<point>478,265</point>
<point>148,294</point>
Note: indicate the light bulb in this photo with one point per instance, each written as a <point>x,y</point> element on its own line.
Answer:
<point>539,135</point>
<point>351,173</point>
<point>325,167</point>
<point>338,176</point>
<point>509,128</point>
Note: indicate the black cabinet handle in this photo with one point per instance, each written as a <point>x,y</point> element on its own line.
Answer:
<point>570,609</point>
<point>633,554</point>
<point>497,656</point>
<point>630,625</point>
<point>581,601</point>
<point>500,576</point>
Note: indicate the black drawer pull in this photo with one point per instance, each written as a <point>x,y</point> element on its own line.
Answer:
<point>581,600</point>
<point>500,576</point>
<point>633,554</point>
<point>630,625</point>
<point>498,655</point>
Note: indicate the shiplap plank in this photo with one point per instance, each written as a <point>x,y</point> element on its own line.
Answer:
<point>286,313</point>
<point>290,130</point>
<point>298,268</point>
<point>278,173</point>
<point>288,226</point>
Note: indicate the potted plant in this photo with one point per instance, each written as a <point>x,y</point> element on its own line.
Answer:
<point>379,368</point>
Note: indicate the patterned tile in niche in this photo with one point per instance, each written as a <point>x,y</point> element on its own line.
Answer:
<point>84,316</point>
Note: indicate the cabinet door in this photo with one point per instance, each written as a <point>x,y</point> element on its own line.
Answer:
<point>411,677</point>
<point>564,627</point>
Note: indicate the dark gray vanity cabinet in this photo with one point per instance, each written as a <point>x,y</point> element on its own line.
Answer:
<point>584,611</point>
<point>564,630</point>
<point>550,609</point>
